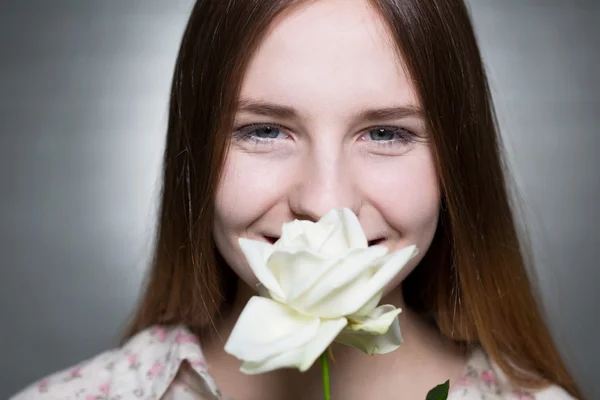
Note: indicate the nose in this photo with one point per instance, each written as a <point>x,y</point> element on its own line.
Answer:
<point>324,182</point>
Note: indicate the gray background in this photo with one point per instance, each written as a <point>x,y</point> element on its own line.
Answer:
<point>83,103</point>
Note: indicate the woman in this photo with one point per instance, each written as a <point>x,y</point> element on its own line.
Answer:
<point>285,109</point>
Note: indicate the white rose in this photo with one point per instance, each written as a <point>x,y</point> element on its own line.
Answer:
<point>324,284</point>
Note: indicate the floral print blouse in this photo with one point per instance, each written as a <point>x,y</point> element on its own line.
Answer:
<point>151,366</point>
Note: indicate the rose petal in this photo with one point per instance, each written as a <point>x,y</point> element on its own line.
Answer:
<point>354,231</point>
<point>345,232</point>
<point>336,240</point>
<point>335,243</point>
<point>289,233</point>
<point>257,253</point>
<point>301,234</point>
<point>267,328</point>
<point>369,306</point>
<point>297,271</point>
<point>377,322</point>
<point>303,357</point>
<point>393,264</point>
<point>367,337</point>
<point>348,300</point>
<point>345,288</point>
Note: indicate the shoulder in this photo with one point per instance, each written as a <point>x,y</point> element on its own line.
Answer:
<point>143,367</point>
<point>74,382</point>
<point>483,380</point>
<point>474,393</point>
<point>553,392</point>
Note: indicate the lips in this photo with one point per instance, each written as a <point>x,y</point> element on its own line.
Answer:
<point>377,241</point>
<point>272,239</point>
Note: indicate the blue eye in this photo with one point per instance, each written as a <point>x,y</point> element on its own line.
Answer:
<point>390,135</point>
<point>382,134</point>
<point>259,133</point>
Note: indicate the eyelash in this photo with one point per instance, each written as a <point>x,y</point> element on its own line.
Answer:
<point>245,133</point>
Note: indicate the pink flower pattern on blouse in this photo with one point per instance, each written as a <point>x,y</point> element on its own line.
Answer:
<point>151,366</point>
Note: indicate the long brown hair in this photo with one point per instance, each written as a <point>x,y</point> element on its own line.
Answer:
<point>473,281</point>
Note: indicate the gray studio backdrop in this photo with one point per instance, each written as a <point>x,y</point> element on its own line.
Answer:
<point>83,102</point>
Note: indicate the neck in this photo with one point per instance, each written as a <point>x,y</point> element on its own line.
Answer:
<point>424,360</point>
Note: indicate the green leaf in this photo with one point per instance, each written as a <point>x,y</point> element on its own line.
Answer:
<point>440,392</point>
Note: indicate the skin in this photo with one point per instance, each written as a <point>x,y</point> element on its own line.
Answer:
<point>329,62</point>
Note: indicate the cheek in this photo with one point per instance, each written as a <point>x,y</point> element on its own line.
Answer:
<point>412,207</point>
<point>245,193</point>
<point>247,188</point>
<point>233,212</point>
<point>406,193</point>
<point>407,196</point>
<point>235,200</point>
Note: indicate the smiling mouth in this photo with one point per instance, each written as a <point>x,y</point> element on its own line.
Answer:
<point>376,241</point>
<point>273,239</point>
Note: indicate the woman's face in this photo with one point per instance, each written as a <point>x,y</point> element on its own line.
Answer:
<point>327,119</point>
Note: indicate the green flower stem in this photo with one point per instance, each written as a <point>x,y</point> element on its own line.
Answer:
<point>325,371</point>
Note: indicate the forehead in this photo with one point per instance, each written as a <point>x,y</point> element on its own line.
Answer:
<point>328,56</point>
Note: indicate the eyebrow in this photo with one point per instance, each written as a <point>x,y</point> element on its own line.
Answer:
<point>267,109</point>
